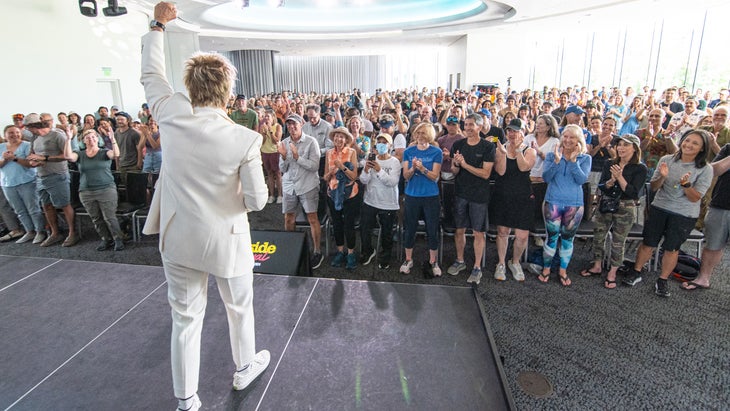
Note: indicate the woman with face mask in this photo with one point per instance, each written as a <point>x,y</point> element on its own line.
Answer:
<point>380,176</point>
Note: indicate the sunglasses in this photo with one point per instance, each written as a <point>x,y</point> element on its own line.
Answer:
<point>453,120</point>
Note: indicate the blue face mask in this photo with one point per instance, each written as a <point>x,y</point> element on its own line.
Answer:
<point>382,148</point>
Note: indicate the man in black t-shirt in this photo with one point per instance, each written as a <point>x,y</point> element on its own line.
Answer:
<point>717,222</point>
<point>472,162</point>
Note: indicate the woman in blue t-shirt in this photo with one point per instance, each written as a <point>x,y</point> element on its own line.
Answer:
<point>565,171</point>
<point>421,169</point>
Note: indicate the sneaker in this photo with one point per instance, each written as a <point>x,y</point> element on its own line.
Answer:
<point>241,379</point>
<point>104,245</point>
<point>351,261</point>
<point>632,278</point>
<point>535,269</point>
<point>39,238</point>
<point>316,260</point>
<point>279,200</point>
<point>517,272</point>
<point>70,241</point>
<point>12,235</point>
<point>191,404</point>
<point>500,273</point>
<point>456,268</point>
<point>383,266</point>
<point>118,245</point>
<point>435,269</point>
<point>662,288</point>
<point>367,258</point>
<point>405,268</point>
<point>271,200</point>
<point>476,275</point>
<point>26,237</point>
<point>54,239</point>
<point>339,259</point>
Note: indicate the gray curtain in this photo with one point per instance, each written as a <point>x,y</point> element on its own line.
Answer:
<point>255,71</point>
<point>327,74</point>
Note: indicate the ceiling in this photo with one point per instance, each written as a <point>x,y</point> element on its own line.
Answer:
<point>354,27</point>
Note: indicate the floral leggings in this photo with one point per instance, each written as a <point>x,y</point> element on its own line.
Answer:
<point>563,222</point>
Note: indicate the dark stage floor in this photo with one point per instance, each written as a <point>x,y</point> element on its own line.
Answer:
<point>95,336</point>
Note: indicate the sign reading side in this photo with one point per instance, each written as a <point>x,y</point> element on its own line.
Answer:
<point>280,252</point>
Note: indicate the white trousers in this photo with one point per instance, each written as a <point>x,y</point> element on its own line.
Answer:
<point>187,292</point>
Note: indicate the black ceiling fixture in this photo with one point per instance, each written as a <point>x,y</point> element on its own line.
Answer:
<point>114,10</point>
<point>88,8</point>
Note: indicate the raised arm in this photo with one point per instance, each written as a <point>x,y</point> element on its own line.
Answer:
<point>156,87</point>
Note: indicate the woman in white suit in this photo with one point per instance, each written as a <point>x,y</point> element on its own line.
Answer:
<point>200,207</point>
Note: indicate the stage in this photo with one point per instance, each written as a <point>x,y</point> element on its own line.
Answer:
<point>95,336</point>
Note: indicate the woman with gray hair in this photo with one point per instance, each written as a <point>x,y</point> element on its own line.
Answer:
<point>565,171</point>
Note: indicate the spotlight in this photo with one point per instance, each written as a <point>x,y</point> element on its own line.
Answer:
<point>88,8</point>
<point>114,10</point>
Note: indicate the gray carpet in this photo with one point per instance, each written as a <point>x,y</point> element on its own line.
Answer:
<point>601,349</point>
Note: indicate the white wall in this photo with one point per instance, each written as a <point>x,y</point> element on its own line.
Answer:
<point>454,63</point>
<point>493,55</point>
<point>53,56</point>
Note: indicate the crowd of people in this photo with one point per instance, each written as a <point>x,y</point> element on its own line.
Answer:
<point>415,158</point>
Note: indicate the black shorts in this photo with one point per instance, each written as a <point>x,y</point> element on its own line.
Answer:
<point>674,228</point>
<point>468,214</point>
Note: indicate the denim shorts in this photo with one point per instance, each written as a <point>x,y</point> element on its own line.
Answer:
<point>54,189</point>
<point>468,214</point>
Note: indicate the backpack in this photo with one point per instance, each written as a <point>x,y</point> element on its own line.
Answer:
<point>688,267</point>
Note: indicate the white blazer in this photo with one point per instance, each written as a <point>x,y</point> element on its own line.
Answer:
<point>211,177</point>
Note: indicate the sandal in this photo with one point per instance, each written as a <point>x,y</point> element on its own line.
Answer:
<point>565,281</point>
<point>544,278</point>
<point>610,284</point>
<point>588,273</point>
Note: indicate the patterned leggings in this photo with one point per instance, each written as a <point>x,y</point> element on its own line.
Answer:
<point>563,222</point>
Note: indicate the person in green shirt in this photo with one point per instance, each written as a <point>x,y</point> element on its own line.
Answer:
<point>242,115</point>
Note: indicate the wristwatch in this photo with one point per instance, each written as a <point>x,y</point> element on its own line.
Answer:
<point>155,23</point>
<point>686,185</point>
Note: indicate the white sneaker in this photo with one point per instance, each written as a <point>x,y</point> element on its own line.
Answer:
<point>271,200</point>
<point>191,404</point>
<point>405,268</point>
<point>241,379</point>
<point>435,269</point>
<point>279,200</point>
<point>517,272</point>
<point>476,276</point>
<point>39,237</point>
<point>500,273</point>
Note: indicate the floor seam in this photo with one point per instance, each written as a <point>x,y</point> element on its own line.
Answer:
<point>283,352</point>
<point>85,346</point>
<point>29,275</point>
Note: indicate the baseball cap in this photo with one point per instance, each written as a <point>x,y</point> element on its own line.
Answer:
<point>575,110</point>
<point>515,124</point>
<point>629,138</point>
<point>486,112</point>
<point>385,136</point>
<point>295,117</point>
<point>125,114</point>
<point>32,118</point>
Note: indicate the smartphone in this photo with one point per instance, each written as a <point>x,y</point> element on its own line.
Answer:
<point>371,157</point>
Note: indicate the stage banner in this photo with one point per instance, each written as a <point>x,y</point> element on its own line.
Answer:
<point>280,252</point>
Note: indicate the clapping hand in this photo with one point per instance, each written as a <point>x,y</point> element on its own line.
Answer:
<point>417,164</point>
<point>685,179</point>
<point>281,148</point>
<point>8,156</point>
<point>663,170</point>
<point>573,157</point>
<point>616,171</point>
<point>501,149</point>
<point>458,159</point>
<point>294,150</point>
<point>558,152</point>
